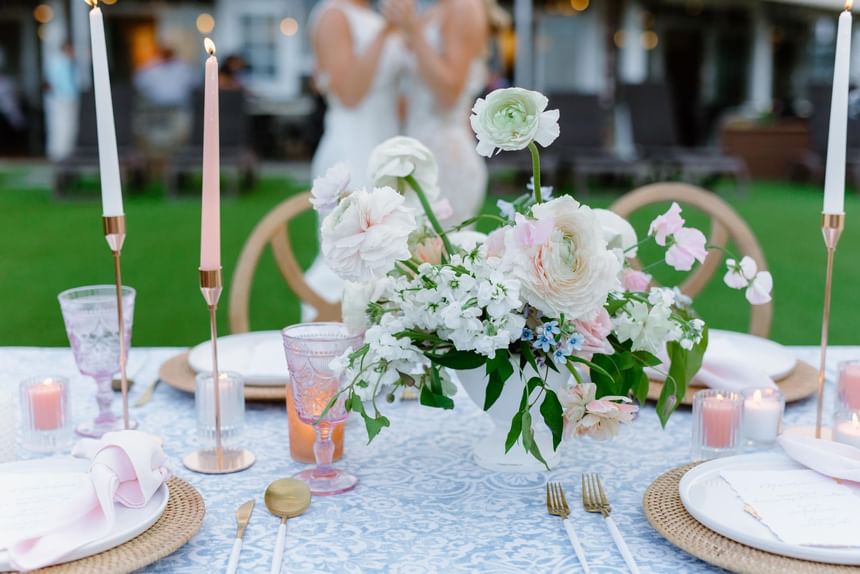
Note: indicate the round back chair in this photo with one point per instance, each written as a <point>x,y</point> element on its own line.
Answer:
<point>725,224</point>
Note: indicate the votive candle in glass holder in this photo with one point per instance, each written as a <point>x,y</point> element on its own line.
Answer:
<point>763,409</point>
<point>303,435</point>
<point>7,426</point>
<point>232,399</point>
<point>45,414</point>
<point>717,423</point>
<point>846,427</point>
<point>848,386</point>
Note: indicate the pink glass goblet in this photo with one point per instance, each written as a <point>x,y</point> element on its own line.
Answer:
<point>90,314</point>
<point>310,349</point>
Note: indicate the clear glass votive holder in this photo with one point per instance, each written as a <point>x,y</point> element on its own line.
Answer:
<point>848,386</point>
<point>717,423</point>
<point>46,422</point>
<point>763,410</point>
<point>232,398</point>
<point>846,427</point>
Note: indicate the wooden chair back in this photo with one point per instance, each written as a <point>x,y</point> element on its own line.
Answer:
<point>273,230</point>
<point>725,224</point>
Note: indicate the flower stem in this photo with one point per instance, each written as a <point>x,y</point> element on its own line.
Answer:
<point>431,217</point>
<point>536,172</point>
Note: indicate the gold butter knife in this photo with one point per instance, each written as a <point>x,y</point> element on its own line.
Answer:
<point>243,516</point>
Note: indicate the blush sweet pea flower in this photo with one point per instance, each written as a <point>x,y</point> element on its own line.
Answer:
<point>533,232</point>
<point>688,246</point>
<point>745,274</point>
<point>595,334</point>
<point>667,224</point>
<point>496,242</point>
<point>635,280</point>
<point>758,293</point>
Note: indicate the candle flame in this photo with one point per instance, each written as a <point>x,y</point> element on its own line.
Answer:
<point>719,396</point>
<point>757,396</point>
<point>92,3</point>
<point>849,4</point>
<point>209,45</point>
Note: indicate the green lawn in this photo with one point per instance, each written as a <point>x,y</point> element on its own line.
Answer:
<point>47,246</point>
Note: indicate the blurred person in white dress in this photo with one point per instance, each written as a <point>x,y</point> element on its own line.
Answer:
<point>446,70</point>
<point>357,56</point>
<point>61,103</point>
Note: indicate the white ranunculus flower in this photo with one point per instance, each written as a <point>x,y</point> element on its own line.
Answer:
<point>356,298</point>
<point>511,118</point>
<point>573,271</point>
<point>328,189</point>
<point>617,232</point>
<point>367,233</point>
<point>397,157</point>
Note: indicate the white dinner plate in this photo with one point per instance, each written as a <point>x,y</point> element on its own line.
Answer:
<point>258,357</point>
<point>763,354</point>
<point>711,501</point>
<point>130,522</point>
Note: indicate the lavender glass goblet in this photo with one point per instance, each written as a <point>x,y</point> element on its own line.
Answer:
<point>90,314</point>
<point>310,348</point>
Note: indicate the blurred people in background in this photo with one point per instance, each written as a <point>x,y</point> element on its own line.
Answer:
<point>231,74</point>
<point>356,65</point>
<point>446,70</point>
<point>165,86</point>
<point>12,121</point>
<point>61,103</point>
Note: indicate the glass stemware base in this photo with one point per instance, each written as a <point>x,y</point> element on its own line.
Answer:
<point>335,481</point>
<point>96,428</point>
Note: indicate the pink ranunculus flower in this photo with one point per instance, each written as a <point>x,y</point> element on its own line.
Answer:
<point>596,333</point>
<point>533,232</point>
<point>635,280</point>
<point>429,250</point>
<point>758,292</point>
<point>496,242</point>
<point>688,246</point>
<point>586,415</point>
<point>667,224</point>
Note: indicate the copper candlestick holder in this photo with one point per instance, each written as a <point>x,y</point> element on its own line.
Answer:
<point>219,460</point>
<point>832,225</point>
<point>114,228</point>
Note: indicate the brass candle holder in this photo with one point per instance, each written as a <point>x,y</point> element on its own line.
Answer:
<point>832,225</point>
<point>114,229</point>
<point>219,460</point>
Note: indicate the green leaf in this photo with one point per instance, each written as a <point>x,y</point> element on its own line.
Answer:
<point>374,425</point>
<point>590,364</point>
<point>683,367</point>
<point>528,353</point>
<point>459,360</point>
<point>640,387</point>
<point>529,439</point>
<point>432,394</point>
<point>532,384</point>
<point>514,432</point>
<point>647,359</point>
<point>553,416</point>
<point>499,370</point>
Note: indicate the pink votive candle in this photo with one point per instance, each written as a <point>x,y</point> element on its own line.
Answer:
<point>46,404</point>
<point>849,385</point>
<point>717,418</point>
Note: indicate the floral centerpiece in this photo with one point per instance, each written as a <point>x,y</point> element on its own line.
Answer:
<point>546,314</point>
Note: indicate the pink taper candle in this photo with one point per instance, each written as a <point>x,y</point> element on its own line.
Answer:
<point>210,235</point>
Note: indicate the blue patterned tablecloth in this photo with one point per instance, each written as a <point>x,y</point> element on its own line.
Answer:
<point>422,505</point>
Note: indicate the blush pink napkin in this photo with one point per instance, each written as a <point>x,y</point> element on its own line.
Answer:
<point>127,467</point>
<point>826,457</point>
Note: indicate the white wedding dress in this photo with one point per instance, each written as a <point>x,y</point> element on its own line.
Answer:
<point>351,133</point>
<point>446,131</point>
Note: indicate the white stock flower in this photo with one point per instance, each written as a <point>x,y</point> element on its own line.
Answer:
<point>511,118</point>
<point>356,298</point>
<point>367,233</point>
<point>328,189</point>
<point>617,232</point>
<point>648,329</point>
<point>398,157</point>
<point>573,271</point>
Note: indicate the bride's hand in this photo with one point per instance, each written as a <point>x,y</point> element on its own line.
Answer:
<point>401,13</point>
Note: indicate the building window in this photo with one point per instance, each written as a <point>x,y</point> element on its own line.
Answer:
<point>260,44</point>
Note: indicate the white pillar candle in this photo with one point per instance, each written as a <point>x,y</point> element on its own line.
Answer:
<point>848,432</point>
<point>834,178</point>
<point>108,155</point>
<point>762,415</point>
<point>7,426</point>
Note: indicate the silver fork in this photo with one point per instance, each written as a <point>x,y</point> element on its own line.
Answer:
<point>594,500</point>
<point>556,504</point>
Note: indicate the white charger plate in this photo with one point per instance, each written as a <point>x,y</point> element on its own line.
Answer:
<point>711,501</point>
<point>763,354</point>
<point>258,357</point>
<point>130,522</point>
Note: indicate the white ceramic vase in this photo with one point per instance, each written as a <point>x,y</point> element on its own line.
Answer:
<point>490,452</point>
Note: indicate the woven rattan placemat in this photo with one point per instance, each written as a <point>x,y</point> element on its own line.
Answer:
<point>800,384</point>
<point>179,522</point>
<point>666,513</point>
<point>177,373</point>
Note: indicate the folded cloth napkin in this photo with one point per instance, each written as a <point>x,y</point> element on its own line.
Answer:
<point>725,367</point>
<point>827,457</point>
<point>127,467</point>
